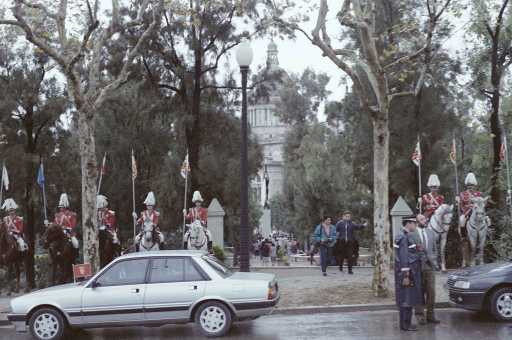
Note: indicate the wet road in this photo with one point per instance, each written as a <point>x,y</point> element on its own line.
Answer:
<point>380,325</point>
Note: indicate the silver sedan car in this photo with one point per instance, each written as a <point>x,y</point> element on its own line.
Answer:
<point>150,288</point>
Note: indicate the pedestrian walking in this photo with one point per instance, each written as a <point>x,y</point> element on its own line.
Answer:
<point>273,254</point>
<point>325,238</point>
<point>265,252</point>
<point>346,242</point>
<point>426,237</point>
<point>408,292</point>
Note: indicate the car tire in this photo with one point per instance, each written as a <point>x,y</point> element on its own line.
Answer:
<point>501,304</point>
<point>47,324</point>
<point>213,319</point>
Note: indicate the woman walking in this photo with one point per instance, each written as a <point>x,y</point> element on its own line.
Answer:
<point>325,237</point>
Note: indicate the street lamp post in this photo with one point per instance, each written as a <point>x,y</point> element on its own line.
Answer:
<point>244,58</point>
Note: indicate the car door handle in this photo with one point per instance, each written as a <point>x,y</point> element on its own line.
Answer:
<point>193,288</point>
<point>135,290</point>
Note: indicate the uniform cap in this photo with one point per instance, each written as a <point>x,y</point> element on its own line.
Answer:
<point>64,201</point>
<point>9,204</point>
<point>408,219</point>
<point>471,179</point>
<point>196,197</point>
<point>150,199</point>
<point>433,181</point>
<point>101,202</point>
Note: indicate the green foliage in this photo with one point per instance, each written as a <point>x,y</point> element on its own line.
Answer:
<point>218,252</point>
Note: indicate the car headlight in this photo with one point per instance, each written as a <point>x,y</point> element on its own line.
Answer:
<point>462,284</point>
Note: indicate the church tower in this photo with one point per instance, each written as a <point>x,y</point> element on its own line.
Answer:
<point>270,133</point>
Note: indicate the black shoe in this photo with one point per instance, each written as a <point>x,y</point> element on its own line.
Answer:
<point>434,321</point>
<point>341,269</point>
<point>350,272</point>
<point>324,274</point>
<point>412,328</point>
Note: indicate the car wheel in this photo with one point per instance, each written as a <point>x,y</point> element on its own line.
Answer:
<point>213,319</point>
<point>47,324</point>
<point>501,304</point>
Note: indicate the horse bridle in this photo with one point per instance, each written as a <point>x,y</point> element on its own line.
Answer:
<point>204,241</point>
<point>442,223</point>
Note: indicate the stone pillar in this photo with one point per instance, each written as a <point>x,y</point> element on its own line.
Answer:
<point>400,209</point>
<point>216,223</point>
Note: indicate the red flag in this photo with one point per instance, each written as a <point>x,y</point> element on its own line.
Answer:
<point>416,155</point>
<point>503,149</point>
<point>453,153</point>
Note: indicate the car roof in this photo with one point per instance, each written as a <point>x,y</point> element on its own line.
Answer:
<point>157,253</point>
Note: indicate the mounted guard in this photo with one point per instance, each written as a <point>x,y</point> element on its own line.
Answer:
<point>109,241</point>
<point>66,219</point>
<point>197,236</point>
<point>148,221</point>
<point>431,201</point>
<point>465,199</point>
<point>14,224</point>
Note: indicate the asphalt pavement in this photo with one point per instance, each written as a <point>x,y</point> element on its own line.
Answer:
<point>380,325</point>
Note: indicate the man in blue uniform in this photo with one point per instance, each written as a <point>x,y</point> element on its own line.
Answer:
<point>407,273</point>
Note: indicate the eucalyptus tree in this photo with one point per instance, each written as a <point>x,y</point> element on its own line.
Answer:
<point>490,60</point>
<point>377,53</point>
<point>74,35</point>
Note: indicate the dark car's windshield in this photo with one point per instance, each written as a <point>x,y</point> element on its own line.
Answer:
<point>218,266</point>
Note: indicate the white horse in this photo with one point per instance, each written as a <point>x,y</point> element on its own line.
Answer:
<point>476,227</point>
<point>197,237</point>
<point>440,222</point>
<point>149,239</point>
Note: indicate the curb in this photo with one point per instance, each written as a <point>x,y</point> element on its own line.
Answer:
<point>344,308</point>
<point>309,310</point>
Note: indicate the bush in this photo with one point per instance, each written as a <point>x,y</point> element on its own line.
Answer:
<point>218,252</point>
<point>42,270</point>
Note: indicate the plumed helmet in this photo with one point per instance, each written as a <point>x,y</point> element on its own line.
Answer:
<point>9,204</point>
<point>433,181</point>
<point>150,199</point>
<point>196,197</point>
<point>471,179</point>
<point>101,202</point>
<point>64,201</point>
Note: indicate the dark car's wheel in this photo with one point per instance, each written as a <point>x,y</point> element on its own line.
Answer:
<point>47,324</point>
<point>501,304</point>
<point>213,319</point>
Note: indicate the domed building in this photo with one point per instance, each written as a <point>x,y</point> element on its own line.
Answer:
<point>269,131</point>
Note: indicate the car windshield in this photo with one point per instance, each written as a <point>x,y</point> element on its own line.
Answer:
<point>218,266</point>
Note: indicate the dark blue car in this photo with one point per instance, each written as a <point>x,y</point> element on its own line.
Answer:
<point>483,288</point>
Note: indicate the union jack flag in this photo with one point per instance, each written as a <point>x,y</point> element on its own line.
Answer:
<point>185,167</point>
<point>453,153</point>
<point>416,155</point>
<point>503,149</point>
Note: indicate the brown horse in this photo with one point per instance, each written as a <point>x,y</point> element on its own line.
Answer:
<point>62,255</point>
<point>110,247</point>
<point>10,256</point>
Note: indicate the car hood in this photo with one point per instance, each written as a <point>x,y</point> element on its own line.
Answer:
<point>252,276</point>
<point>491,269</point>
<point>52,290</point>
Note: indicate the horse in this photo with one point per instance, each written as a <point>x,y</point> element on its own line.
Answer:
<point>440,222</point>
<point>11,257</point>
<point>110,247</point>
<point>62,255</point>
<point>197,237</point>
<point>476,228</point>
<point>149,238</point>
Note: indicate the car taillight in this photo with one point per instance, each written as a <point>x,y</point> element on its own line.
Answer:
<point>272,291</point>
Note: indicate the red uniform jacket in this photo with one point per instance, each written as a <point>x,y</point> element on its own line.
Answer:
<point>197,214</point>
<point>430,202</point>
<point>465,200</point>
<point>146,214</point>
<point>66,219</point>
<point>14,224</point>
<point>108,219</point>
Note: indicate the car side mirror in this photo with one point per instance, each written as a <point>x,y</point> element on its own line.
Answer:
<point>95,284</point>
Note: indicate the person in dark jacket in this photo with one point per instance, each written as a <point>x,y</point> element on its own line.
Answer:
<point>324,236</point>
<point>346,241</point>
<point>408,292</point>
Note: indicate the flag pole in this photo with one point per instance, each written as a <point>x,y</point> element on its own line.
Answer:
<point>509,191</point>
<point>419,172</point>
<point>185,205</point>
<point>101,173</point>
<point>44,193</point>
<point>133,198</point>
<point>454,150</point>
<point>2,184</point>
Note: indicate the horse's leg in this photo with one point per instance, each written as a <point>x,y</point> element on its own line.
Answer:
<point>442,247</point>
<point>472,236</point>
<point>481,238</point>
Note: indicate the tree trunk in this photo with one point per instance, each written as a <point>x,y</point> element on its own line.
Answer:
<point>89,177</point>
<point>496,147</point>
<point>30,175</point>
<point>381,236</point>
